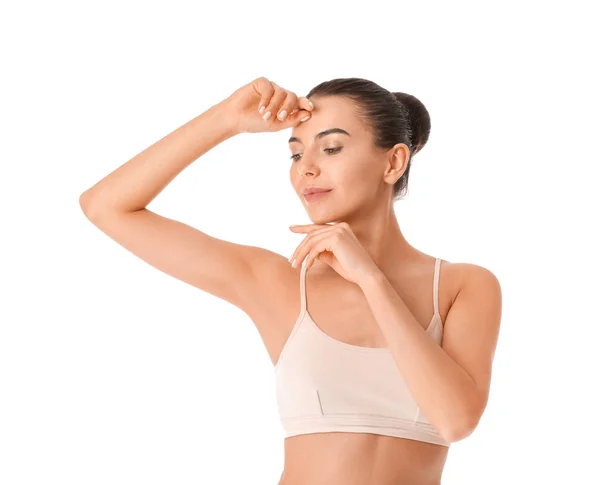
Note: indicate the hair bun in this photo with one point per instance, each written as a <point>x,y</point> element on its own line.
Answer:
<point>420,122</point>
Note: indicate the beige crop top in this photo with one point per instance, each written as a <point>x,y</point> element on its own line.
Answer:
<point>325,385</point>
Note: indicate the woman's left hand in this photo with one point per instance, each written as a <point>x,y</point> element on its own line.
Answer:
<point>336,245</point>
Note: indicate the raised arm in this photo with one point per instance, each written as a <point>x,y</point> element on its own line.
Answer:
<point>117,203</point>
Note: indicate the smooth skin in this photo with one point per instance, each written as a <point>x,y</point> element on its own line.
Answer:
<point>264,284</point>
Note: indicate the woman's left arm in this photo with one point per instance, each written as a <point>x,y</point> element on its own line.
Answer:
<point>451,382</point>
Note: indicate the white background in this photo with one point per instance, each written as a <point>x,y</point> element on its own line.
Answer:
<point>112,372</point>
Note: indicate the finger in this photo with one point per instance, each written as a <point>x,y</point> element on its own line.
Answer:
<point>305,103</point>
<point>296,252</point>
<point>298,118</point>
<point>310,258</point>
<point>308,240</point>
<point>274,103</point>
<point>266,90</point>
<point>307,245</point>
<point>290,101</point>
<point>314,253</point>
<point>309,227</point>
<point>300,252</point>
<point>302,112</point>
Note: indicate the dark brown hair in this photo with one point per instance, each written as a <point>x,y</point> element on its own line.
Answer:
<point>392,117</point>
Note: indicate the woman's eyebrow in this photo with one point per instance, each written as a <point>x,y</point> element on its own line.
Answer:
<point>322,134</point>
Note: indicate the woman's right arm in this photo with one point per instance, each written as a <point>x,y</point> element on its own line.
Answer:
<point>132,186</point>
<point>117,206</point>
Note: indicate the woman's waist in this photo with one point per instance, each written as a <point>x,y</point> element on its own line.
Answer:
<point>340,458</point>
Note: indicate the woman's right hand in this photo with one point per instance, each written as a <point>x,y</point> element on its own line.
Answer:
<point>244,104</point>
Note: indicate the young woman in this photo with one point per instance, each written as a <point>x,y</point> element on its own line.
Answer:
<point>382,353</point>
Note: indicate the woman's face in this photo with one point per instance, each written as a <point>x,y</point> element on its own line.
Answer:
<point>348,164</point>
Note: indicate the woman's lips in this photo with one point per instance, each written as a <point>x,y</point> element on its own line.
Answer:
<point>315,195</point>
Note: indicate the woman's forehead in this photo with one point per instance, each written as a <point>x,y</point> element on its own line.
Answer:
<point>331,114</point>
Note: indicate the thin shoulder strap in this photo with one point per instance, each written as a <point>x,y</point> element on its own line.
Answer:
<point>436,286</point>
<point>303,288</point>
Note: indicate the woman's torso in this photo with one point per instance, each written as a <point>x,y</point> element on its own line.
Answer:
<point>339,458</point>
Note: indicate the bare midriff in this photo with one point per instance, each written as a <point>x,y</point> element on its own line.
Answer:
<point>361,459</point>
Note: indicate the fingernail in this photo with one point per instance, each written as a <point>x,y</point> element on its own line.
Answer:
<point>267,115</point>
<point>305,118</point>
<point>282,114</point>
<point>310,104</point>
<point>262,109</point>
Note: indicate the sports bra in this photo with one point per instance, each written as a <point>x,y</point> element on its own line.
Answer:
<point>326,385</point>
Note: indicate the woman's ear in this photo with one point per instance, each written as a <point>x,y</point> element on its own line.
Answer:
<point>398,161</point>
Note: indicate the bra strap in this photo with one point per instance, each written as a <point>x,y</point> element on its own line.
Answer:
<point>303,288</point>
<point>436,284</point>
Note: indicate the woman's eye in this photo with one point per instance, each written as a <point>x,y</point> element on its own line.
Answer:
<point>331,151</point>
